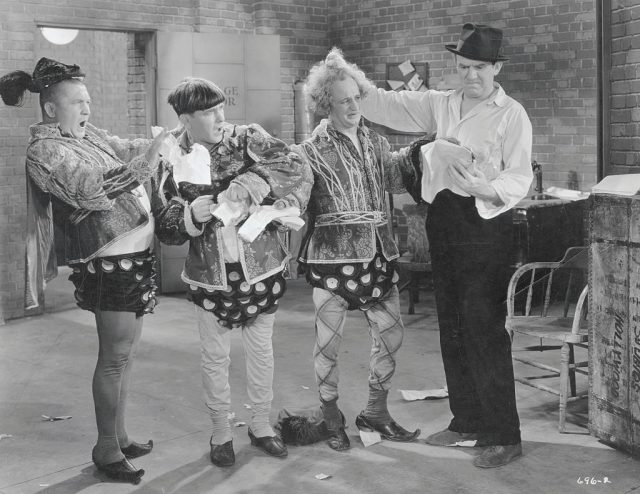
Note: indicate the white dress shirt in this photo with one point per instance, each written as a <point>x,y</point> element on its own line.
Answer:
<point>497,130</point>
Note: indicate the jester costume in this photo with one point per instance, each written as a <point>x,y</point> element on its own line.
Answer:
<point>349,253</point>
<point>234,283</point>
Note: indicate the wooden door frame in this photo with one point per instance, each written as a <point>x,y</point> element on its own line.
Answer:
<point>603,64</point>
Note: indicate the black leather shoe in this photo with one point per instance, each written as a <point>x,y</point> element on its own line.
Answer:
<point>272,445</point>
<point>222,455</point>
<point>498,455</point>
<point>391,430</point>
<point>338,439</point>
<point>135,450</point>
<point>121,470</point>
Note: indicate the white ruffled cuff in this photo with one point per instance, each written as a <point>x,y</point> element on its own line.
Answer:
<point>189,225</point>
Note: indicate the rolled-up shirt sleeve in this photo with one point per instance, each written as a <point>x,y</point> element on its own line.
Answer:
<point>406,111</point>
<point>513,182</point>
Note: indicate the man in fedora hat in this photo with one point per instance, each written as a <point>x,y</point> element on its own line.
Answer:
<point>481,156</point>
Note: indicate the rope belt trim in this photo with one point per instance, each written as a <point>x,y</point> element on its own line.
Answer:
<point>352,217</point>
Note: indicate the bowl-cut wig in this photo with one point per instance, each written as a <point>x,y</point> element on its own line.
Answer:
<point>193,94</point>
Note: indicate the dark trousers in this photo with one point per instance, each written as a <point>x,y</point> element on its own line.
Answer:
<point>470,260</point>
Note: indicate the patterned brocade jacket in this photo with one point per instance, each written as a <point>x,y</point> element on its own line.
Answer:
<point>266,167</point>
<point>347,210</point>
<point>90,182</point>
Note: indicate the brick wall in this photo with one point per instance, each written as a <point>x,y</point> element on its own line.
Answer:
<point>137,84</point>
<point>625,87</point>
<point>552,68</point>
<point>102,55</point>
<point>302,26</point>
<point>552,50</point>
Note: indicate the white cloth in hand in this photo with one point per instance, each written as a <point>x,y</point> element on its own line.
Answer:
<point>263,215</point>
<point>436,157</point>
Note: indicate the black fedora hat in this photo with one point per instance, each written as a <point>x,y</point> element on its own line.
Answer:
<point>478,42</point>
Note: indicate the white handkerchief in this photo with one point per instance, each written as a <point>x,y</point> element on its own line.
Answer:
<point>436,157</point>
<point>370,438</point>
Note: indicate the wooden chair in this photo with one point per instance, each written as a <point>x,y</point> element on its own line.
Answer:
<point>414,261</point>
<point>544,299</point>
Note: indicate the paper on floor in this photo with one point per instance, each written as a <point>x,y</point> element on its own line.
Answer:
<point>466,444</point>
<point>370,438</point>
<point>53,419</point>
<point>424,394</point>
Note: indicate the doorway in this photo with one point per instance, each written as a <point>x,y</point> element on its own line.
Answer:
<point>120,77</point>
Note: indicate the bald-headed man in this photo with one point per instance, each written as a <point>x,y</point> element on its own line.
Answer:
<point>90,184</point>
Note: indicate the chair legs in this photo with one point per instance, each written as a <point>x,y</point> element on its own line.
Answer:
<point>565,356</point>
<point>572,372</point>
<point>414,292</point>
<point>413,285</point>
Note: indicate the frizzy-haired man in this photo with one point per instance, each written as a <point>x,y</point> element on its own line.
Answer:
<point>349,252</point>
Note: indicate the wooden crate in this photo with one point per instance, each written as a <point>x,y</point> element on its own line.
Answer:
<point>614,310</point>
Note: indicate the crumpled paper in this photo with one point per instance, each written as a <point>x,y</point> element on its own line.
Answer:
<point>263,215</point>
<point>424,394</point>
<point>230,213</point>
<point>465,444</point>
<point>55,419</point>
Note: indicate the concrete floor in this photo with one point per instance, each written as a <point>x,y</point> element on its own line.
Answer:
<point>46,365</point>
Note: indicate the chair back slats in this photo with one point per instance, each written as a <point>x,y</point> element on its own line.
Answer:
<point>530,292</point>
<point>580,308</point>
<point>547,295</point>
<point>567,294</point>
